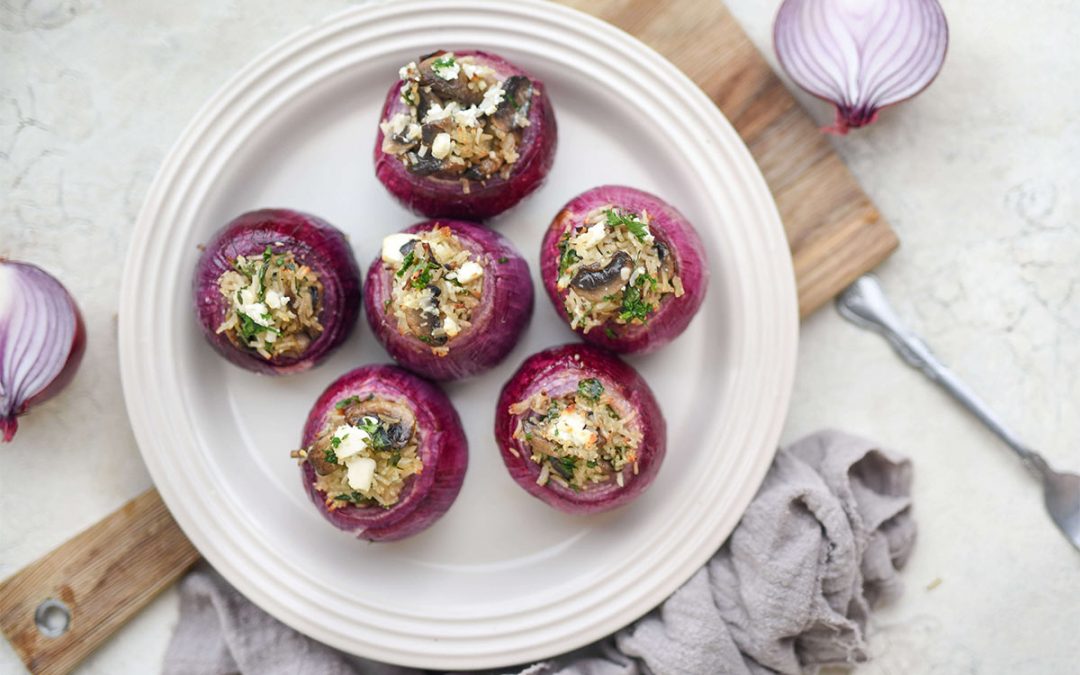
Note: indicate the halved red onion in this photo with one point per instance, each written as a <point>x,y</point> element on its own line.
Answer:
<point>442,448</point>
<point>474,199</point>
<point>861,55</point>
<point>559,371</point>
<point>669,227</point>
<point>505,308</point>
<point>315,243</point>
<point>42,340</point>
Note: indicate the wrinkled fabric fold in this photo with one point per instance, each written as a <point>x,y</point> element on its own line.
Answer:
<point>790,591</point>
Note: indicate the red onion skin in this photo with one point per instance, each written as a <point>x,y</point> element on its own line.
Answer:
<point>557,371</point>
<point>315,243</point>
<point>9,424</point>
<point>498,322</point>
<point>438,198</point>
<point>443,449</point>
<point>849,116</point>
<point>668,226</point>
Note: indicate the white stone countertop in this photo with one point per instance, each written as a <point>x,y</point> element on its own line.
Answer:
<point>979,176</point>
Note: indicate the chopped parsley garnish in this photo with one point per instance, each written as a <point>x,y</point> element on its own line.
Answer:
<point>346,402</point>
<point>354,497</point>
<point>591,463</point>
<point>503,260</point>
<point>611,412</point>
<point>335,442</point>
<point>629,221</point>
<point>568,257</point>
<point>564,465</point>
<point>590,388</point>
<point>248,328</point>
<point>608,331</point>
<point>423,277</point>
<point>267,253</point>
<point>553,411</point>
<point>378,436</point>
<point>406,96</point>
<point>443,63</point>
<point>408,262</point>
<point>331,456</point>
<point>633,306</point>
<point>395,458</point>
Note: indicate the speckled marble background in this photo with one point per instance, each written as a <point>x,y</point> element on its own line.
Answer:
<point>979,177</point>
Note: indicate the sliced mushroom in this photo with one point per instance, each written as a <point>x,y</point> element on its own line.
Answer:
<point>594,283</point>
<point>426,165</point>
<point>515,104</point>
<point>557,464</point>
<point>317,456</point>
<point>398,416</point>
<point>423,322</point>
<point>456,89</point>
<point>667,261</point>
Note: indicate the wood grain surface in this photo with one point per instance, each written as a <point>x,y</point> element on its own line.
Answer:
<point>105,575</point>
<point>109,572</point>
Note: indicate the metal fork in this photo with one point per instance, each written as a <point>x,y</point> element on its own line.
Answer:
<point>864,304</point>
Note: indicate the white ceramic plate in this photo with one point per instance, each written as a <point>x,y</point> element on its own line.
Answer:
<point>502,578</point>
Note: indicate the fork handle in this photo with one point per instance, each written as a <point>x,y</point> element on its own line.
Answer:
<point>864,304</point>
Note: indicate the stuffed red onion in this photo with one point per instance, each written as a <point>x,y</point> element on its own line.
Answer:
<point>277,291</point>
<point>624,268</point>
<point>580,429</point>
<point>384,454</point>
<point>464,135</point>
<point>448,299</point>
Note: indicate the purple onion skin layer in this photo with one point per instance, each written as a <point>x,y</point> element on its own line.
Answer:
<point>557,371</point>
<point>9,423</point>
<point>316,244</point>
<point>668,226</point>
<point>443,450</point>
<point>439,198</point>
<point>505,308</point>
<point>922,64</point>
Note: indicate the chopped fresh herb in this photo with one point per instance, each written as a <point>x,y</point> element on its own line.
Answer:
<point>354,497</point>
<point>408,262</point>
<point>568,255</point>
<point>386,305</point>
<point>611,412</point>
<point>335,442</point>
<point>331,456</point>
<point>553,411</point>
<point>425,339</point>
<point>395,458</point>
<point>248,328</point>
<point>443,63</point>
<point>633,306</point>
<point>422,278</point>
<point>267,253</point>
<point>591,463</point>
<point>503,260</point>
<point>608,331</point>
<point>346,402</point>
<point>407,97</point>
<point>629,221</point>
<point>591,388</point>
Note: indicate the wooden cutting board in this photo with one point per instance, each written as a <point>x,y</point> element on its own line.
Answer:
<point>109,572</point>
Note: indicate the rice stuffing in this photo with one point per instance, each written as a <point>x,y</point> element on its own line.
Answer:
<point>462,122</point>
<point>364,454</point>
<point>580,438</point>
<point>274,303</point>
<point>614,270</point>
<point>436,285</point>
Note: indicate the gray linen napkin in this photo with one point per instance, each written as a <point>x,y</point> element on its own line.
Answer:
<point>790,591</point>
